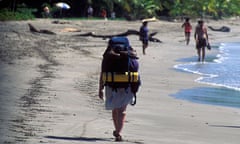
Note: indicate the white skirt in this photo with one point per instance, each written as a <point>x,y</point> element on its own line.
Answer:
<point>117,98</point>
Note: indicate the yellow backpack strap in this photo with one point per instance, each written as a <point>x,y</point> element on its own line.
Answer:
<point>112,74</point>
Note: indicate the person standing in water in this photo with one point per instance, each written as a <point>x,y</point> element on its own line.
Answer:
<point>201,38</point>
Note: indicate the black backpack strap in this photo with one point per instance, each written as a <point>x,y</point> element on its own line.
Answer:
<point>112,77</point>
<point>129,73</point>
<point>134,100</point>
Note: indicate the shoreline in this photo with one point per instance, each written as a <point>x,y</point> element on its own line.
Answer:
<point>58,102</point>
<point>214,91</point>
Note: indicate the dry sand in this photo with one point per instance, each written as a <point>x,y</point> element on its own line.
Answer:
<point>49,87</point>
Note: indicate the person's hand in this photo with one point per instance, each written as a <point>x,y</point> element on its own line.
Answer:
<point>196,41</point>
<point>100,94</point>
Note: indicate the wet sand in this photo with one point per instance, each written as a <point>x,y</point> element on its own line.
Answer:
<point>49,87</point>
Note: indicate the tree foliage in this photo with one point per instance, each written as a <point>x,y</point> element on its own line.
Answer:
<point>214,8</point>
<point>141,8</point>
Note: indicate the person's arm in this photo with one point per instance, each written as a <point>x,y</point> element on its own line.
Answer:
<point>101,87</point>
<point>206,34</point>
<point>101,84</point>
<point>205,31</point>
<point>183,25</point>
<point>195,34</point>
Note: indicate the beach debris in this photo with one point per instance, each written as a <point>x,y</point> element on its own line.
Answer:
<point>92,34</point>
<point>60,22</point>
<point>34,29</point>
<point>127,33</point>
<point>221,29</point>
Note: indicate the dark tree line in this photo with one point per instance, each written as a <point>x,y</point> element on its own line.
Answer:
<point>78,7</point>
<point>138,8</point>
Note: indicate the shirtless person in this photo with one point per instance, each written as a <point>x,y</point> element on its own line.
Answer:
<point>201,38</point>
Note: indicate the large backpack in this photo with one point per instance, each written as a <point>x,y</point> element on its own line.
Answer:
<point>119,67</point>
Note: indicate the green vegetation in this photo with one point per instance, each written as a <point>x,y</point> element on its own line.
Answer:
<point>21,13</point>
<point>130,9</point>
<point>193,8</point>
<point>214,8</point>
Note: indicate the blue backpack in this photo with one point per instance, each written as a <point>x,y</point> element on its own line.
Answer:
<point>121,71</point>
<point>119,44</point>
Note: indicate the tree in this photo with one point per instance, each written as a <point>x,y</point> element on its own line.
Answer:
<point>196,8</point>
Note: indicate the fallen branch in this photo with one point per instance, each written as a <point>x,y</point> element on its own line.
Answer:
<point>127,33</point>
<point>92,34</point>
<point>33,29</point>
<point>221,29</point>
<point>60,22</point>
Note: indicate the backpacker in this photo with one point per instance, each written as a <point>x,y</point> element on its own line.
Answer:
<point>120,65</point>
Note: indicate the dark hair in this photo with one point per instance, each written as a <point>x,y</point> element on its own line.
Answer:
<point>200,21</point>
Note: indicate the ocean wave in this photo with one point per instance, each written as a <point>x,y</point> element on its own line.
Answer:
<point>221,71</point>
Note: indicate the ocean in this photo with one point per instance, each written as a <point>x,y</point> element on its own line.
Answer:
<point>221,71</point>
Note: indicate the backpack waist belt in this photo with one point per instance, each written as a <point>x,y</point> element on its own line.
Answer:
<point>120,77</point>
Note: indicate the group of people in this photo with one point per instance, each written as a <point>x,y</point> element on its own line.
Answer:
<point>117,99</point>
<point>103,13</point>
<point>200,36</point>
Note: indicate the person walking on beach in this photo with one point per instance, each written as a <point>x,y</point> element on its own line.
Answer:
<point>201,38</point>
<point>187,30</point>
<point>117,94</point>
<point>144,36</point>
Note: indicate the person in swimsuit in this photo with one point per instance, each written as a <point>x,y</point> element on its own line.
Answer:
<point>187,30</point>
<point>201,38</point>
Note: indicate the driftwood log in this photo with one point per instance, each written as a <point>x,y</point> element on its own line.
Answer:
<point>127,33</point>
<point>221,29</point>
<point>92,34</point>
<point>33,29</point>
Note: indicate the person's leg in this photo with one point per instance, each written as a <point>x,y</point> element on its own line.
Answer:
<point>144,45</point>
<point>203,54</point>
<point>144,48</point>
<point>199,54</point>
<point>198,50</point>
<point>187,38</point>
<point>115,118</point>
<point>119,116</point>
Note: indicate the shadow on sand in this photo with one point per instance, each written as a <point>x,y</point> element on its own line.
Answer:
<point>88,139</point>
<point>225,126</point>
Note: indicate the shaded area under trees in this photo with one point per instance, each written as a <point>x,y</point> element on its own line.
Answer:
<point>136,9</point>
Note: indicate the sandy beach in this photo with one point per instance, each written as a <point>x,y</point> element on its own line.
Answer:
<point>49,86</point>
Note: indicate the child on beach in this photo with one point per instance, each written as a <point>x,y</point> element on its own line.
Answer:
<point>187,29</point>
<point>201,38</point>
